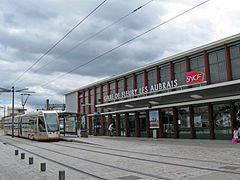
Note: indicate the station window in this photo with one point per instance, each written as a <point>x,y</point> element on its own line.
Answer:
<point>235,61</point>
<point>86,102</point>
<point>112,87</point>
<point>164,73</point>
<point>151,78</point>
<point>120,85</point>
<point>180,72</point>
<point>81,102</point>
<point>92,100</point>
<point>197,64</point>
<point>217,66</point>
<point>104,93</point>
<point>140,81</point>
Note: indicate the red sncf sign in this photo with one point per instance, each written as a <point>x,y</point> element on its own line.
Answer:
<point>193,77</point>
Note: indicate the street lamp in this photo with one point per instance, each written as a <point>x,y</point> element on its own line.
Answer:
<point>13,91</point>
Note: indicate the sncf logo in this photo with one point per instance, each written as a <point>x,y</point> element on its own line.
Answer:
<point>193,77</point>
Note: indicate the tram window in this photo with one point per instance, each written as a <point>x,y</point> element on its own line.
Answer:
<point>41,124</point>
<point>52,122</point>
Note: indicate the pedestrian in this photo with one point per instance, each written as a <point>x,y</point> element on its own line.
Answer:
<point>110,129</point>
<point>235,136</point>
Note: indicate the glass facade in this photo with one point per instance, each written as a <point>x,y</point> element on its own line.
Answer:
<point>201,122</point>
<point>217,66</point>
<point>234,52</point>
<point>183,122</point>
<point>140,81</point>
<point>151,78</point>
<point>92,100</point>
<point>86,101</point>
<point>131,124</point>
<point>222,121</point>
<point>142,123</point>
<point>164,73</point>
<point>197,64</point>
<point>180,72</point>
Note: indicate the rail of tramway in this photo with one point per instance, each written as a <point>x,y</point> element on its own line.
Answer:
<point>77,157</point>
<point>130,157</point>
<point>141,153</point>
<point>38,125</point>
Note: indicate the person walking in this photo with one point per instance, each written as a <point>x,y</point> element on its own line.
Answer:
<point>110,129</point>
<point>235,136</point>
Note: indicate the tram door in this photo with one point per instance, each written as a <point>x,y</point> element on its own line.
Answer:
<point>168,130</point>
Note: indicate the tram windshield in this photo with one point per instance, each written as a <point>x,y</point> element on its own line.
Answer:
<point>52,122</point>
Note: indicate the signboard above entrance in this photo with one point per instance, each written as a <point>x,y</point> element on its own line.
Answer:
<point>142,90</point>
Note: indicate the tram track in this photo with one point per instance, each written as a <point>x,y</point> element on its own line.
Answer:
<point>132,158</point>
<point>83,159</point>
<point>147,154</point>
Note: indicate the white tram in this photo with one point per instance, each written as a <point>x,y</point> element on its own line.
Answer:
<point>39,125</point>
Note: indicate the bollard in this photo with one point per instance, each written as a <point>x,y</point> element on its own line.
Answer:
<point>43,166</point>
<point>61,175</point>
<point>30,160</point>
<point>16,152</point>
<point>22,155</point>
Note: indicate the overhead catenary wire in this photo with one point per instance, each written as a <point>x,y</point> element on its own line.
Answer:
<point>94,35</point>
<point>126,42</point>
<point>60,40</point>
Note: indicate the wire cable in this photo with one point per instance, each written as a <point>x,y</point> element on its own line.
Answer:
<point>60,40</point>
<point>126,42</point>
<point>94,35</point>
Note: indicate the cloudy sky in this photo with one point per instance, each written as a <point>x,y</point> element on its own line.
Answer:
<point>29,28</point>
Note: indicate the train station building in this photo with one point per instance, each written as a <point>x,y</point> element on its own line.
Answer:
<point>194,94</point>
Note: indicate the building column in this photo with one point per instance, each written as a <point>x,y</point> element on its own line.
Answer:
<point>160,123</point>
<point>206,65</point>
<point>137,131</point>
<point>172,73</point>
<point>210,119</point>
<point>228,63</point>
<point>78,102</point>
<point>89,112</point>
<point>175,122</point>
<point>233,116</point>
<point>118,124</point>
<point>95,99</point>
<point>147,124</point>
<point>102,118</point>
<point>191,115</point>
<point>126,124</point>
<point>83,105</point>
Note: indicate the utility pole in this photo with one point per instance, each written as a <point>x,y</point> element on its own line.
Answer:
<point>13,111</point>
<point>12,90</point>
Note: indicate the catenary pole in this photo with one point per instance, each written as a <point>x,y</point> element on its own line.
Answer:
<point>12,111</point>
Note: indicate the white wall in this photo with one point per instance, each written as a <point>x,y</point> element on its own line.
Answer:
<point>71,101</point>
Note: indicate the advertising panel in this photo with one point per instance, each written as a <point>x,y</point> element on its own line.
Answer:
<point>154,119</point>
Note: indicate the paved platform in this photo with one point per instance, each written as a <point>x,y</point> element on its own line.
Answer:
<point>212,158</point>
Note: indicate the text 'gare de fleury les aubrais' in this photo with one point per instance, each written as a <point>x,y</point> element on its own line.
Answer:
<point>194,94</point>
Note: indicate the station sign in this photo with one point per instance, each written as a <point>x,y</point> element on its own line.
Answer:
<point>141,91</point>
<point>194,77</point>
